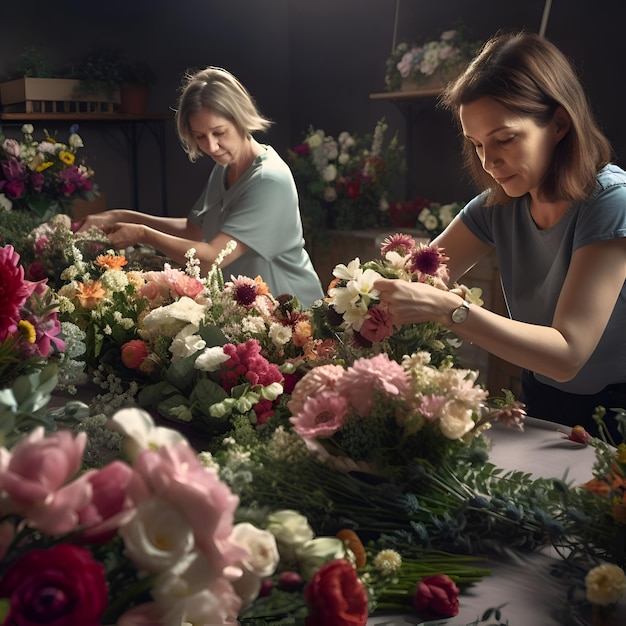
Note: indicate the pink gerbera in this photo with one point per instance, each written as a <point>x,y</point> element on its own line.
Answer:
<point>400,243</point>
<point>321,415</point>
<point>14,290</point>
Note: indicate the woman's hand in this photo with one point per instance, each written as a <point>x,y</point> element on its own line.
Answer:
<point>123,235</point>
<point>413,303</point>
<point>103,221</point>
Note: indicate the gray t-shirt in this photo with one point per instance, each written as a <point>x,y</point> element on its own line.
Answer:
<point>533,264</point>
<point>261,210</point>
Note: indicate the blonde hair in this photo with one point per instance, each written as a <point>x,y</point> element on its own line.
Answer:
<point>219,91</point>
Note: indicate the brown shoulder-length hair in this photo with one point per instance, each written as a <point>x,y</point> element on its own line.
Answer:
<point>217,90</point>
<point>531,77</point>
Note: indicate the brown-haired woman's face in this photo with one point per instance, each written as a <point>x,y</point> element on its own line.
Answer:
<point>513,150</point>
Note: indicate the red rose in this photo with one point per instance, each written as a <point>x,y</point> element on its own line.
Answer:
<point>62,586</point>
<point>336,596</point>
<point>437,595</point>
<point>134,353</point>
<point>377,325</point>
<point>353,189</point>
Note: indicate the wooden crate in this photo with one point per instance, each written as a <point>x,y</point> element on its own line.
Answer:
<point>53,95</point>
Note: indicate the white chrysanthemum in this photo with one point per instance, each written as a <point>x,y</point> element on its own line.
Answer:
<point>315,140</point>
<point>280,334</point>
<point>186,343</point>
<point>254,324</point>
<point>211,359</point>
<point>387,562</point>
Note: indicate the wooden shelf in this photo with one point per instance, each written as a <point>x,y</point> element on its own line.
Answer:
<point>416,94</point>
<point>87,117</point>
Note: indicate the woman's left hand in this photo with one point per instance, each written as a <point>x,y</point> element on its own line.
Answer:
<point>413,303</point>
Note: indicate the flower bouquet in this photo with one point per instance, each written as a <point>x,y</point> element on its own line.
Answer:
<point>431,64</point>
<point>43,176</point>
<point>353,305</point>
<point>431,217</point>
<point>345,183</point>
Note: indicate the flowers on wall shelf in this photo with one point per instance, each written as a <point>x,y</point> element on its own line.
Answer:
<point>43,175</point>
<point>433,63</point>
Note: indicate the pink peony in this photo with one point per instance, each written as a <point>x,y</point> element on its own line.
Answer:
<point>313,382</point>
<point>321,416</point>
<point>378,373</point>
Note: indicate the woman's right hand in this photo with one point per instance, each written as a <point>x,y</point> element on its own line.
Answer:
<point>105,220</point>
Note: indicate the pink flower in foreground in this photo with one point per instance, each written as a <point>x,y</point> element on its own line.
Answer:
<point>437,596</point>
<point>377,325</point>
<point>174,474</point>
<point>366,375</point>
<point>321,416</point>
<point>400,243</point>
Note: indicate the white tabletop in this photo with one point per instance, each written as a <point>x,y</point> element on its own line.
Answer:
<point>527,587</point>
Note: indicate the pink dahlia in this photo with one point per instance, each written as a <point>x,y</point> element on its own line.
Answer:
<point>14,290</point>
<point>400,243</point>
<point>367,375</point>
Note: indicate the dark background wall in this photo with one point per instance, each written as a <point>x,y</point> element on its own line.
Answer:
<point>306,62</point>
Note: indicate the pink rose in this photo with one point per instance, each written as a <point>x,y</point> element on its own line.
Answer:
<point>134,353</point>
<point>63,586</point>
<point>437,596</point>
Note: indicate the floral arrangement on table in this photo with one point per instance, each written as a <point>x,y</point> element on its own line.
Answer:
<point>433,63</point>
<point>420,213</point>
<point>43,176</point>
<point>346,183</point>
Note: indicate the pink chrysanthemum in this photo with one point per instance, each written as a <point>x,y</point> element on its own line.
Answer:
<point>366,375</point>
<point>321,415</point>
<point>315,381</point>
<point>400,243</point>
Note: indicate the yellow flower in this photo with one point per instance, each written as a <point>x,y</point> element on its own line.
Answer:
<point>621,453</point>
<point>67,157</point>
<point>44,166</point>
<point>27,331</point>
<point>605,583</point>
<point>387,562</point>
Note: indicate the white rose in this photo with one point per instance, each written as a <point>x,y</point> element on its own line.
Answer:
<point>186,343</point>
<point>261,546</point>
<point>330,173</point>
<point>291,529</point>
<point>314,553</point>
<point>210,359</point>
<point>456,419</point>
<point>157,537</point>
<point>280,334</point>
<point>606,584</point>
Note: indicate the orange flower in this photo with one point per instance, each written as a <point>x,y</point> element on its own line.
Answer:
<point>110,262</point>
<point>354,543</point>
<point>89,294</point>
<point>261,287</point>
<point>332,285</point>
<point>598,487</point>
<point>302,333</point>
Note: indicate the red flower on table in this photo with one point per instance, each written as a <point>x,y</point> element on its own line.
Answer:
<point>336,596</point>
<point>437,595</point>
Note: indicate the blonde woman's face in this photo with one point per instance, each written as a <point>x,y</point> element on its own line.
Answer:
<point>217,136</point>
<point>512,149</point>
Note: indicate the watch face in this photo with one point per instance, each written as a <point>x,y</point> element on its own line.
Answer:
<point>460,314</point>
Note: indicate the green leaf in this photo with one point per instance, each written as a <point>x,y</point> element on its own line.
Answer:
<point>205,393</point>
<point>182,374</point>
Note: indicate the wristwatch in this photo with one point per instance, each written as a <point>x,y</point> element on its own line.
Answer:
<point>461,312</point>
